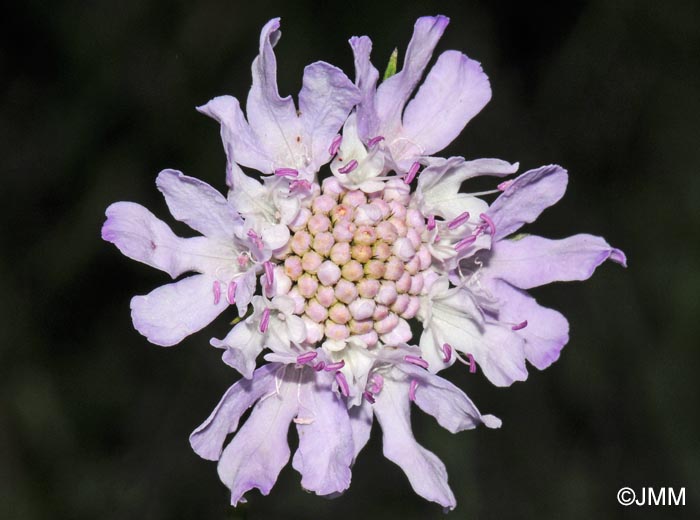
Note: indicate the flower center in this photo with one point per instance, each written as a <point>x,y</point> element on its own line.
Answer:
<point>356,262</point>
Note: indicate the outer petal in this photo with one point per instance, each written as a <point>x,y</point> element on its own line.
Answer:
<point>529,195</point>
<point>326,447</point>
<point>140,235</point>
<point>325,100</point>
<point>455,90</point>
<point>366,77</point>
<point>240,142</point>
<point>393,93</point>
<point>259,451</point>
<point>172,312</point>
<point>447,403</point>
<point>361,417</point>
<point>198,205</point>
<point>273,118</point>
<point>242,344</point>
<point>425,472</point>
<point>547,330</point>
<point>208,439</point>
<point>533,261</point>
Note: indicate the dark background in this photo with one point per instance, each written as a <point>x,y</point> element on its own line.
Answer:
<point>97,97</point>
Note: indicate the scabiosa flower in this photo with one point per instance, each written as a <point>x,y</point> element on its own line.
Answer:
<point>342,266</point>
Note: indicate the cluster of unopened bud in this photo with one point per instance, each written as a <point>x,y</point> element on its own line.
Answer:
<point>355,262</point>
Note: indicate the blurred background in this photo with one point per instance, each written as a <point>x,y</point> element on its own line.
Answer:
<point>97,97</point>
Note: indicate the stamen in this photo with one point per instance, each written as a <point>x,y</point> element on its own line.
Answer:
<point>472,364</point>
<point>342,384</point>
<point>465,243</point>
<point>231,293</point>
<point>519,326</point>
<point>348,167</point>
<point>412,390</point>
<point>217,292</point>
<point>505,185</point>
<point>319,366</point>
<point>447,352</point>
<point>269,274</point>
<point>286,172</point>
<point>458,221</point>
<point>255,238</point>
<point>335,144</point>
<point>307,357</point>
<point>377,383</point>
<point>368,395</point>
<point>374,141</point>
<point>487,219</point>
<point>413,170</point>
<point>265,321</point>
<point>299,185</point>
<point>416,360</point>
<point>431,222</point>
<point>330,367</point>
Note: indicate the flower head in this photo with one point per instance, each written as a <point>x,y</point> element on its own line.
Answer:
<point>343,265</point>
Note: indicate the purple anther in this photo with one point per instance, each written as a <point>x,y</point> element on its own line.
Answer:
<point>286,172</point>
<point>416,360</point>
<point>299,185</point>
<point>412,390</point>
<point>217,292</point>
<point>231,293</point>
<point>465,243</point>
<point>342,384</point>
<point>472,364</point>
<point>519,326</point>
<point>319,366</point>
<point>369,397</point>
<point>487,219</point>
<point>269,274</point>
<point>374,141</point>
<point>330,367</point>
<point>265,321</point>
<point>306,357</point>
<point>255,238</point>
<point>458,221</point>
<point>447,352</point>
<point>377,383</point>
<point>348,167</point>
<point>437,238</point>
<point>412,171</point>
<point>431,222</point>
<point>335,144</point>
<point>505,185</point>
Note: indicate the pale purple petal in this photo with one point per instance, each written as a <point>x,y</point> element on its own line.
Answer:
<point>240,142</point>
<point>172,312</point>
<point>451,407</point>
<point>326,447</point>
<point>198,205</point>
<point>533,261</point>
<point>455,90</point>
<point>393,93</point>
<point>547,331</point>
<point>366,76</point>
<point>425,472</point>
<point>208,439</point>
<point>361,418</point>
<point>242,344</point>
<point>273,118</point>
<point>259,451</point>
<point>529,195</point>
<point>325,100</point>
<point>244,291</point>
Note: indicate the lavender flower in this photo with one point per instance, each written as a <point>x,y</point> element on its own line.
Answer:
<point>347,263</point>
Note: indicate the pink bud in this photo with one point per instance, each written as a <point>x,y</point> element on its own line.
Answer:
<point>311,261</point>
<point>387,324</point>
<point>365,235</point>
<point>343,231</point>
<point>339,313</point>
<point>360,327</point>
<point>318,223</point>
<point>380,312</point>
<point>412,309</point>
<point>387,294</point>
<point>325,296</point>
<point>424,257</point>
<point>335,331</point>
<point>367,215</point>
<point>362,308</point>
<point>323,242</point>
<point>341,212</point>
<point>386,232</point>
<point>314,331</point>
<point>415,220</point>
<point>282,282</point>
<point>345,291</point>
<point>307,285</point>
<point>412,265</point>
<point>300,220</point>
<point>328,273</point>
<point>404,249</point>
<point>340,253</point>
<point>381,250</point>
<point>352,271</point>
<point>398,210</point>
<point>416,284</point>
<point>323,204</point>
<point>316,312</point>
<point>375,269</point>
<point>394,268</point>
<point>399,226</point>
<point>332,187</point>
<point>370,339</point>
<point>415,238</point>
<point>403,284</point>
<point>401,303</point>
<point>300,243</point>
<point>360,252</point>
<point>354,198</point>
<point>299,300</point>
<point>397,190</point>
<point>382,206</point>
<point>292,267</point>
<point>368,288</point>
